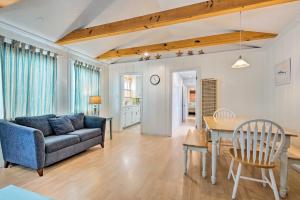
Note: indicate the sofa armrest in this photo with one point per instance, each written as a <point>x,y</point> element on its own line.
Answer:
<point>22,145</point>
<point>95,122</point>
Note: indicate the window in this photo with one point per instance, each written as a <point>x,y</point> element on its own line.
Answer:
<point>85,82</point>
<point>28,80</point>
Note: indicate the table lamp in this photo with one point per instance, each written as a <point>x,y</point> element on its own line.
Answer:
<point>95,100</point>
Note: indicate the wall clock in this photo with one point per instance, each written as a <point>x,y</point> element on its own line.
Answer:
<point>154,79</point>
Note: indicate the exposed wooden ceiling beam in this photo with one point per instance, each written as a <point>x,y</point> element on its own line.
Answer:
<point>213,40</point>
<point>4,3</point>
<point>164,18</point>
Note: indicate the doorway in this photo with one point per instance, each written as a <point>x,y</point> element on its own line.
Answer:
<point>183,101</point>
<point>191,102</point>
<point>131,101</point>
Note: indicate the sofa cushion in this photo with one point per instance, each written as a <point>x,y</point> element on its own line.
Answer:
<point>87,133</point>
<point>38,122</point>
<point>56,142</point>
<point>77,120</point>
<point>61,125</point>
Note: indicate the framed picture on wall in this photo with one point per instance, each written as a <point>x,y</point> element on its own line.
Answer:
<point>283,72</point>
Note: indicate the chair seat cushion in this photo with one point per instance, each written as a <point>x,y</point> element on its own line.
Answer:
<point>55,143</point>
<point>86,133</point>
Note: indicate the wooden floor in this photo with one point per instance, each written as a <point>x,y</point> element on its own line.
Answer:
<point>133,166</point>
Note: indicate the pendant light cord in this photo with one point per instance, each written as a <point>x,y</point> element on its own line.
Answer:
<point>241,32</point>
<point>240,63</point>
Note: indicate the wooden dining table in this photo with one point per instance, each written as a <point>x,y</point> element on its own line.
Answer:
<point>223,128</point>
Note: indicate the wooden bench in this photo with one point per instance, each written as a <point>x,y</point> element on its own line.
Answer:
<point>196,141</point>
<point>294,160</point>
<point>294,153</point>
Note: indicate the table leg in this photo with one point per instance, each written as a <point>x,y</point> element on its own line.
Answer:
<point>214,137</point>
<point>284,168</point>
<point>185,149</point>
<point>218,147</point>
<point>204,164</point>
<point>110,129</point>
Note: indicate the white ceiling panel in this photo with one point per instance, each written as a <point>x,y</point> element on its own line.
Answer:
<point>49,19</point>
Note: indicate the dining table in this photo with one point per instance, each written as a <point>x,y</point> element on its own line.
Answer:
<point>224,128</point>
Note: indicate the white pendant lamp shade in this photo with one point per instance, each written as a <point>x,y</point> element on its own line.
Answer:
<point>240,63</point>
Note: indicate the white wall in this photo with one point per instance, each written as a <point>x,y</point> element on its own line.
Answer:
<point>156,99</point>
<point>242,90</point>
<point>191,82</point>
<point>104,87</point>
<point>154,109</point>
<point>63,93</point>
<point>285,100</point>
<point>177,85</point>
<point>185,103</point>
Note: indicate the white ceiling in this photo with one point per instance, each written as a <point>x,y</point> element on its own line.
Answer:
<point>53,19</point>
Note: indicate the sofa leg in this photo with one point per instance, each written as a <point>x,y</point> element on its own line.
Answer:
<point>102,145</point>
<point>40,171</point>
<point>6,164</point>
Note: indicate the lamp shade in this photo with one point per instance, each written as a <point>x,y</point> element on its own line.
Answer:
<point>7,3</point>
<point>240,63</point>
<point>94,100</point>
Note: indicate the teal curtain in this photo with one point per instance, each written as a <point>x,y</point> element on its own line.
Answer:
<point>1,91</point>
<point>28,81</point>
<point>85,82</point>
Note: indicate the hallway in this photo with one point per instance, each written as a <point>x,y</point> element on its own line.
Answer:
<point>189,124</point>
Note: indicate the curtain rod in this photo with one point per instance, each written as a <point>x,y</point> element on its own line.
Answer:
<point>86,65</point>
<point>26,46</point>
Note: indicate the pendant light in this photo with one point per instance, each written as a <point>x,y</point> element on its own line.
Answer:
<point>240,63</point>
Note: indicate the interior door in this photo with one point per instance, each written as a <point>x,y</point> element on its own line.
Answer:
<point>184,103</point>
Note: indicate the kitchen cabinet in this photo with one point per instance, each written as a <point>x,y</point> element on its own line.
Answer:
<point>131,100</point>
<point>131,115</point>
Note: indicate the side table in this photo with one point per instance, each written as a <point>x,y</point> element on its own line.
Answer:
<point>110,126</point>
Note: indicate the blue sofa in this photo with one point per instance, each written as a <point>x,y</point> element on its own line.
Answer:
<point>31,141</point>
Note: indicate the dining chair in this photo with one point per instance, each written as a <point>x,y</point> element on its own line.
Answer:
<point>256,143</point>
<point>222,113</point>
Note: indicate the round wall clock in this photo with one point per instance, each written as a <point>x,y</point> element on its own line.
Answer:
<point>154,79</point>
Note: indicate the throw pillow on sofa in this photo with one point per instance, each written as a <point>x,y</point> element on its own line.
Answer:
<point>38,122</point>
<point>77,120</point>
<point>61,125</point>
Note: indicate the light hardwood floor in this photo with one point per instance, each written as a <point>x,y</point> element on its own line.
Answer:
<point>135,167</point>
